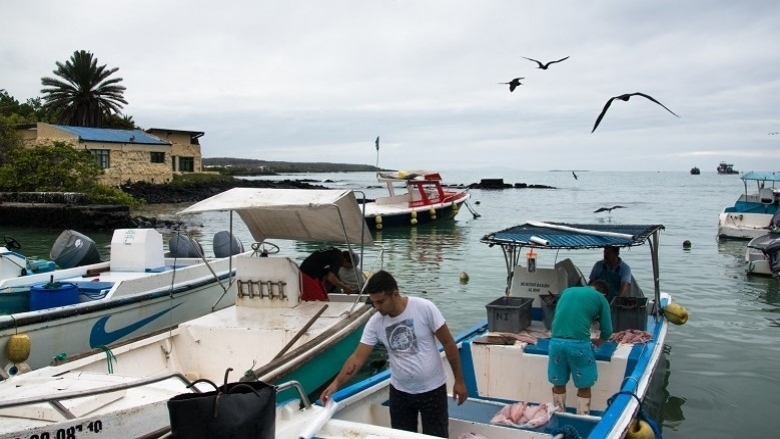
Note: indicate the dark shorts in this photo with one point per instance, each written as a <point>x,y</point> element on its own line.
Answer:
<point>431,406</point>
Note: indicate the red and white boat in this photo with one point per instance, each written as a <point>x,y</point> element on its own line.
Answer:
<point>425,200</point>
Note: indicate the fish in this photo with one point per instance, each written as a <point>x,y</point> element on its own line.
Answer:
<point>520,414</point>
<point>631,336</point>
<point>522,337</point>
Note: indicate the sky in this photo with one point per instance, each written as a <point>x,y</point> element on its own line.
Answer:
<point>318,81</point>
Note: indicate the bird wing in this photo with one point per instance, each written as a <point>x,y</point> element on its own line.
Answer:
<point>553,62</point>
<point>653,99</point>
<point>603,112</point>
<point>600,209</point>
<point>617,207</point>
<point>540,64</point>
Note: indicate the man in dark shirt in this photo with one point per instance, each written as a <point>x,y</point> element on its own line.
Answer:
<point>324,264</point>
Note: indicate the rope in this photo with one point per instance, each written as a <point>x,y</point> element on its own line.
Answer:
<point>110,357</point>
<point>641,415</point>
<point>566,432</point>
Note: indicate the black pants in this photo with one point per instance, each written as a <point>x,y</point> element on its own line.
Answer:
<point>431,406</point>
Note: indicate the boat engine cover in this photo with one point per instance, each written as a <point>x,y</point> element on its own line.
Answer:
<point>72,249</point>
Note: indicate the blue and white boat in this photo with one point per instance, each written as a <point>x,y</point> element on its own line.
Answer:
<point>500,370</point>
<point>55,310</point>
<point>121,389</point>
<point>751,215</point>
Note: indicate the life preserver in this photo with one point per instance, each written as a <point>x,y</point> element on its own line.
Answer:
<point>640,429</point>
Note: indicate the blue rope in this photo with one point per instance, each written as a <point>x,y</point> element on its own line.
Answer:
<point>641,413</point>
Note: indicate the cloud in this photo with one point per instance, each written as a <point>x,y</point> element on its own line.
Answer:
<point>318,81</point>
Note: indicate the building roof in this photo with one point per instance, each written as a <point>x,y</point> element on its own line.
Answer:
<point>194,134</point>
<point>112,135</point>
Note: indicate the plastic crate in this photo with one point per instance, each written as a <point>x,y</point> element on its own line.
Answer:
<point>629,313</point>
<point>509,314</point>
<point>548,308</point>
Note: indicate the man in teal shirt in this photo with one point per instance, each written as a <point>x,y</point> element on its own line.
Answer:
<point>572,351</point>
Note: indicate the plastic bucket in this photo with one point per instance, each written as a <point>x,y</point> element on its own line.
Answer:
<point>53,294</point>
<point>14,300</point>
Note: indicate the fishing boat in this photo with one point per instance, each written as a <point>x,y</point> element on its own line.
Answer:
<point>751,215</point>
<point>79,303</point>
<point>271,335</point>
<point>695,171</point>
<point>423,199</point>
<point>762,255</point>
<point>501,369</point>
<point>726,169</point>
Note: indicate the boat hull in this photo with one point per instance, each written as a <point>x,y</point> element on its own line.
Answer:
<point>741,225</point>
<point>394,215</point>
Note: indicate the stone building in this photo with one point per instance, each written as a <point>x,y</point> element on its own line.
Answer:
<point>131,156</point>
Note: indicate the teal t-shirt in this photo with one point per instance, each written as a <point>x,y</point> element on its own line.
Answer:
<point>576,310</point>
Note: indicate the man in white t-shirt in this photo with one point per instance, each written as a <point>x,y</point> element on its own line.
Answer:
<point>409,328</point>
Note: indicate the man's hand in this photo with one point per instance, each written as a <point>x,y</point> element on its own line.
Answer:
<point>459,392</point>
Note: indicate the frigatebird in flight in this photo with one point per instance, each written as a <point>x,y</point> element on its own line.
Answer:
<point>575,175</point>
<point>513,84</point>
<point>626,97</point>
<point>607,209</point>
<point>544,66</point>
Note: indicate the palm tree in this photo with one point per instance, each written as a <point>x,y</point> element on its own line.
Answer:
<point>83,95</point>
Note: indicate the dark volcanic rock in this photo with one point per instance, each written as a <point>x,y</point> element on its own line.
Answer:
<point>179,193</point>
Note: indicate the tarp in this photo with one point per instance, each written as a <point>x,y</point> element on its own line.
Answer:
<point>297,214</point>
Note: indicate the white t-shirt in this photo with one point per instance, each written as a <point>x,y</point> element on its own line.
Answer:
<point>415,363</point>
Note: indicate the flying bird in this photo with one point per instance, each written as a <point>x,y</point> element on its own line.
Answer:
<point>607,209</point>
<point>625,98</point>
<point>774,133</point>
<point>513,83</point>
<point>575,175</point>
<point>544,66</point>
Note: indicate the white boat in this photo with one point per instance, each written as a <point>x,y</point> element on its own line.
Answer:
<point>763,255</point>
<point>271,335</point>
<point>498,372</point>
<point>424,200</point>
<point>751,214</point>
<point>67,311</point>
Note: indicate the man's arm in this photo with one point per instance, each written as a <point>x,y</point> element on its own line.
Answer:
<point>453,357</point>
<point>333,279</point>
<point>348,371</point>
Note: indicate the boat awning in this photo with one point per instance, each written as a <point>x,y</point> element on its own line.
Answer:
<point>571,236</point>
<point>761,176</point>
<point>410,175</point>
<point>297,214</point>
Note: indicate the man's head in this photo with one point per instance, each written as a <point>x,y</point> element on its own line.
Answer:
<point>349,259</point>
<point>383,291</point>
<point>600,285</point>
<point>611,254</point>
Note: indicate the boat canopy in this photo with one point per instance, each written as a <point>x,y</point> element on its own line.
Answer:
<point>571,236</point>
<point>297,214</point>
<point>761,176</point>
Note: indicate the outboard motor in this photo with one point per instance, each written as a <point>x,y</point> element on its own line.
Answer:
<point>182,246</point>
<point>772,250</point>
<point>72,249</point>
<point>225,244</point>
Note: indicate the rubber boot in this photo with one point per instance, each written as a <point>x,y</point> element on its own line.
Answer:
<point>559,399</point>
<point>583,406</point>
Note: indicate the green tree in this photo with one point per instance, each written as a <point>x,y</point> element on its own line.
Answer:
<point>120,122</point>
<point>83,94</point>
<point>55,167</point>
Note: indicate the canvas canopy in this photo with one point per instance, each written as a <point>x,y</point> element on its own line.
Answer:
<point>296,214</point>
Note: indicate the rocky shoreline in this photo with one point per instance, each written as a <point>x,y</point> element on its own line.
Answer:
<point>190,193</point>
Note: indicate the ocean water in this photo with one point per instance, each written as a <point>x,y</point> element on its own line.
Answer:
<point>719,378</point>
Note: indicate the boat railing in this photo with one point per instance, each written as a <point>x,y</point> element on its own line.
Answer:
<point>54,401</point>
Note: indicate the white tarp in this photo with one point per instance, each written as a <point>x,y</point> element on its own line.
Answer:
<point>296,214</point>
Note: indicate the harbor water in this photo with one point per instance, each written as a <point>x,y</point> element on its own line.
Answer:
<point>718,378</point>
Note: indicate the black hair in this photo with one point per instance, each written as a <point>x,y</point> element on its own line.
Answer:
<point>600,285</point>
<point>615,249</point>
<point>381,282</point>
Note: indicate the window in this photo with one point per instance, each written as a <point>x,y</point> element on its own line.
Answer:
<point>158,157</point>
<point>102,156</point>
<point>186,164</point>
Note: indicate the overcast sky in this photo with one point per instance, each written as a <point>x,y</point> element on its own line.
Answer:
<point>320,80</point>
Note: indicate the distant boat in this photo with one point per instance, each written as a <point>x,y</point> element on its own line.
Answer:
<point>726,168</point>
<point>752,214</point>
<point>695,171</point>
